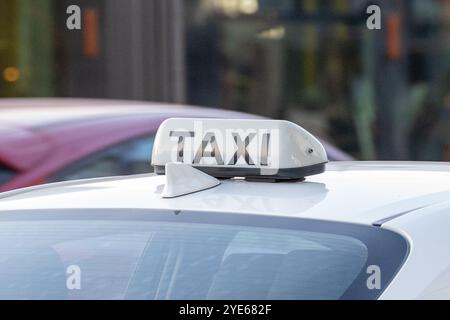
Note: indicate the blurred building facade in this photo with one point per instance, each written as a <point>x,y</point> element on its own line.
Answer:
<point>378,94</point>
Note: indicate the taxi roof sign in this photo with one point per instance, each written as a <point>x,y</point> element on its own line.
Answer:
<point>259,149</point>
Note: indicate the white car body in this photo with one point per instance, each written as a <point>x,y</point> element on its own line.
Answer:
<point>412,199</point>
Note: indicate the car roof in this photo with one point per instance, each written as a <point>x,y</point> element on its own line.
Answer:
<point>356,192</point>
<point>31,127</point>
<point>45,112</point>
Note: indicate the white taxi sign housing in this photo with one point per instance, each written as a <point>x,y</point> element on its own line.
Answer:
<point>274,149</point>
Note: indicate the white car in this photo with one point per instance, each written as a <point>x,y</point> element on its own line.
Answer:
<point>240,209</point>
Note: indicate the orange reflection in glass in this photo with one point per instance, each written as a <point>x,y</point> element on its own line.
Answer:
<point>11,74</point>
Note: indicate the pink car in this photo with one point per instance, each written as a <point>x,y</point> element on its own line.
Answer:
<point>48,140</point>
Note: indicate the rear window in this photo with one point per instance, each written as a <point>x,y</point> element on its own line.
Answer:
<point>187,255</point>
<point>6,174</point>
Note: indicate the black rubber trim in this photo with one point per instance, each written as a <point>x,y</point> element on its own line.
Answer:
<point>382,221</point>
<point>254,173</point>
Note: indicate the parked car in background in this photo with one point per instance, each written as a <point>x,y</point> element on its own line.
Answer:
<point>50,140</point>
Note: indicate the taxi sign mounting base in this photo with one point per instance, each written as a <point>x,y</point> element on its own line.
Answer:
<point>285,174</point>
